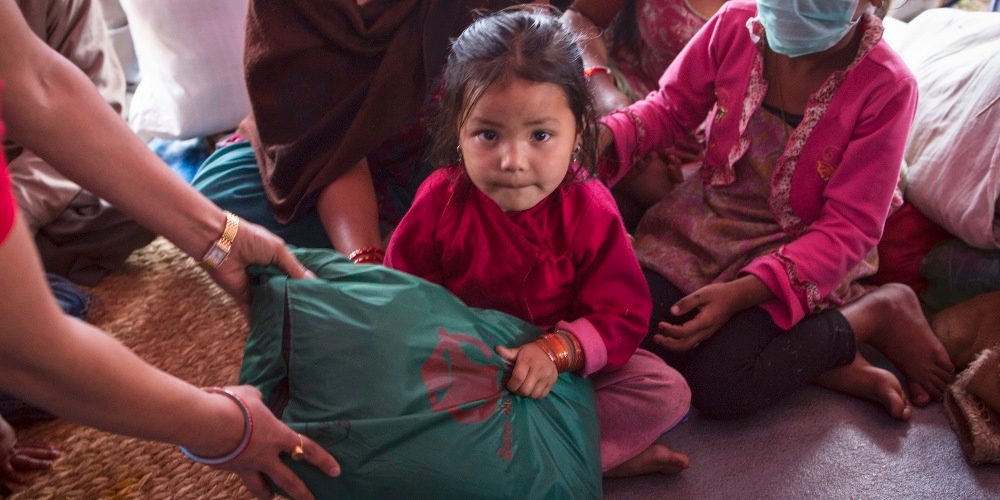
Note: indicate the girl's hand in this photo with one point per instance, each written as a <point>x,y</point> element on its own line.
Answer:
<point>714,303</point>
<point>15,458</point>
<point>534,373</point>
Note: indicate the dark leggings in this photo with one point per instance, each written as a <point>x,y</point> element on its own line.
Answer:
<point>750,363</point>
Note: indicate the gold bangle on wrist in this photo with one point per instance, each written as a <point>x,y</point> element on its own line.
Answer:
<point>216,255</point>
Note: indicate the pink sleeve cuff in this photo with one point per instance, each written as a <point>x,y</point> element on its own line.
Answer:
<point>623,128</point>
<point>785,308</point>
<point>595,353</point>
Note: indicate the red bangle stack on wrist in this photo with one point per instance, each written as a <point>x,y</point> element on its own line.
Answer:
<point>563,349</point>
<point>369,255</point>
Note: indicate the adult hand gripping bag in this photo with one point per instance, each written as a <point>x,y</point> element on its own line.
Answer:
<point>398,380</point>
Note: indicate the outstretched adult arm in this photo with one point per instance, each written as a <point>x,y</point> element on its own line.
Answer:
<point>51,107</point>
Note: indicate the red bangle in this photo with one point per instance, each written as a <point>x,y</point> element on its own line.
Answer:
<point>369,259</point>
<point>588,71</point>
<point>548,349</point>
<point>367,255</point>
<point>578,360</point>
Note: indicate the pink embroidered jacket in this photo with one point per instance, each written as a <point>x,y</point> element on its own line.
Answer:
<point>832,186</point>
<point>566,262</point>
<point>8,207</point>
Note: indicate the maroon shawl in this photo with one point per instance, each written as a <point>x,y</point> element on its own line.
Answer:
<point>329,81</point>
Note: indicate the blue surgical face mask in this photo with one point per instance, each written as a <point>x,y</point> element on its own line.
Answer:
<point>799,27</point>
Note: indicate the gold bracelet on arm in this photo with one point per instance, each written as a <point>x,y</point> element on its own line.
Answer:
<point>216,255</point>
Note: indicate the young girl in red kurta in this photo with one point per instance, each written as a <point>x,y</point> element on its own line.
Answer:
<point>520,224</point>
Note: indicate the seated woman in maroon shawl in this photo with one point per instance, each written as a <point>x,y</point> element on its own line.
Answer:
<point>340,92</point>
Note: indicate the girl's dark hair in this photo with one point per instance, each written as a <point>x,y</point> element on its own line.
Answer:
<point>527,42</point>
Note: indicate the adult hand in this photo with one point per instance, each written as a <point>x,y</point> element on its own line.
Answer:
<point>254,245</point>
<point>270,439</point>
<point>534,373</point>
<point>15,458</point>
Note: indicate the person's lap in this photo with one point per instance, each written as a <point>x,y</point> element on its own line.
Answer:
<point>231,179</point>
<point>750,363</point>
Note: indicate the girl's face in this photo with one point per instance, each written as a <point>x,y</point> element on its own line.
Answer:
<point>517,142</point>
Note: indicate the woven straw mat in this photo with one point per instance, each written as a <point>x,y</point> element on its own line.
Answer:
<point>162,306</point>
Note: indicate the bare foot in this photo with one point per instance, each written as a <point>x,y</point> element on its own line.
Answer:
<point>656,458</point>
<point>890,319</point>
<point>866,381</point>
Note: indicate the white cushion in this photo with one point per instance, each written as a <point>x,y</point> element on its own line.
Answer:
<point>954,147</point>
<point>911,8</point>
<point>190,56</point>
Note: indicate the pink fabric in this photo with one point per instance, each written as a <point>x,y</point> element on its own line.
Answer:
<point>565,261</point>
<point>636,405</point>
<point>8,209</point>
<point>691,249</point>
<point>665,27</point>
<point>833,184</point>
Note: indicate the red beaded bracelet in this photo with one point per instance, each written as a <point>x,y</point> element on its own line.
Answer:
<point>588,71</point>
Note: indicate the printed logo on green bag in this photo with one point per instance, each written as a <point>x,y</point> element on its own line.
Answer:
<point>462,377</point>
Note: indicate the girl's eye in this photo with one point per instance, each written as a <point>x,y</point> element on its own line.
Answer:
<point>489,135</point>
<point>540,135</point>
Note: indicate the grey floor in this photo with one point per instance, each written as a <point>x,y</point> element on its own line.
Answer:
<point>818,444</point>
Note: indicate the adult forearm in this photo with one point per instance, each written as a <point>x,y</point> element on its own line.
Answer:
<point>349,210</point>
<point>53,110</point>
<point>592,46</point>
<point>89,378</point>
<point>594,51</point>
<point>76,371</point>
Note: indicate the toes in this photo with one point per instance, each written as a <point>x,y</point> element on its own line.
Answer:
<point>674,462</point>
<point>919,395</point>
<point>898,405</point>
<point>906,413</point>
<point>945,363</point>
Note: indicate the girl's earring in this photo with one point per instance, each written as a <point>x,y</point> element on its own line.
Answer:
<point>458,149</point>
<point>574,159</point>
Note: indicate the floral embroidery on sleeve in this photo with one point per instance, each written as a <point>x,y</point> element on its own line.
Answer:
<point>811,291</point>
